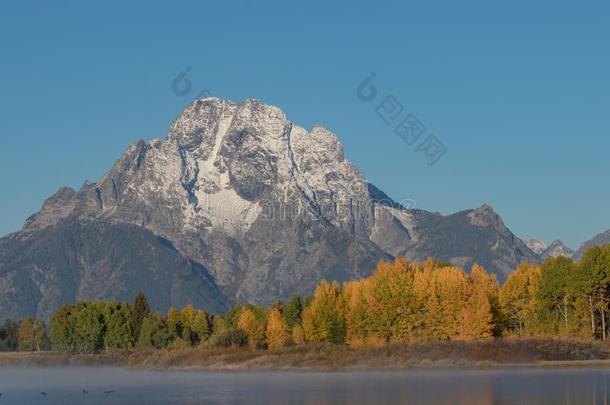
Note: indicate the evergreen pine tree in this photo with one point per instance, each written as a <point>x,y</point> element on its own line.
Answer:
<point>140,310</point>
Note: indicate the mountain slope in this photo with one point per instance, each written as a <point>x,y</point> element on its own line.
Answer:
<point>602,238</point>
<point>263,207</point>
<point>468,237</point>
<point>98,260</point>
<point>555,249</point>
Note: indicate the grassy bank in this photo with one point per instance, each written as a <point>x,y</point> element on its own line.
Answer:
<point>328,357</point>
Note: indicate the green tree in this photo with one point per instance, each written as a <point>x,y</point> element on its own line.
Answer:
<point>88,328</point>
<point>140,310</point>
<point>218,325</point>
<point>61,330</point>
<point>591,286</point>
<point>293,310</point>
<point>8,336</point>
<point>119,326</point>
<point>155,332</point>
<point>556,289</point>
<point>232,316</point>
<point>230,337</point>
<point>31,335</point>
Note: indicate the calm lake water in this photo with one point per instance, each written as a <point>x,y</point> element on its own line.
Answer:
<point>65,385</point>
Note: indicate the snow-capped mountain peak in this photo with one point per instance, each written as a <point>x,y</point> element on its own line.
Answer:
<point>259,207</point>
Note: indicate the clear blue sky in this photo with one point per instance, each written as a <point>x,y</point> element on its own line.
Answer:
<point>519,93</point>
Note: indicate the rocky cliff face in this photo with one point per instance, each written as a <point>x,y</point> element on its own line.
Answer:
<point>257,207</point>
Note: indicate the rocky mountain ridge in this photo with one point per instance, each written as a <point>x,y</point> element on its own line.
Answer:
<point>602,238</point>
<point>555,249</point>
<point>537,246</point>
<point>257,207</point>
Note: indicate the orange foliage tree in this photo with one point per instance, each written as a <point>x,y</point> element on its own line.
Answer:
<point>277,333</point>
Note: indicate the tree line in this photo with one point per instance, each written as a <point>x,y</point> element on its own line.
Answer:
<point>401,302</point>
<point>561,297</point>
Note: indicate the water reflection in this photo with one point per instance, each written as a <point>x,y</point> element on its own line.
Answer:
<point>112,385</point>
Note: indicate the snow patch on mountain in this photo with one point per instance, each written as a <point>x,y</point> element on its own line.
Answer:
<point>537,246</point>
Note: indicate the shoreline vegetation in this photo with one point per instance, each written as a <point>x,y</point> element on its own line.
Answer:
<point>500,353</point>
<point>403,315</point>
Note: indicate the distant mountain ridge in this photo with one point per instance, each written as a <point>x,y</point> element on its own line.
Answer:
<point>602,238</point>
<point>555,249</point>
<point>236,204</point>
<point>537,246</point>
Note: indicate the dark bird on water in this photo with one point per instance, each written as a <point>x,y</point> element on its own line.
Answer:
<point>85,392</point>
<point>108,392</point>
<point>43,393</point>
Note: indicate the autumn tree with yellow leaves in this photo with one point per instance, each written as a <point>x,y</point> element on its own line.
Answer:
<point>446,299</point>
<point>384,308</point>
<point>277,333</point>
<point>324,320</point>
<point>519,299</point>
<point>405,302</point>
<point>481,311</point>
<point>250,325</point>
<point>400,302</point>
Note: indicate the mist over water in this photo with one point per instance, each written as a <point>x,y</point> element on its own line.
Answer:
<point>65,385</point>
